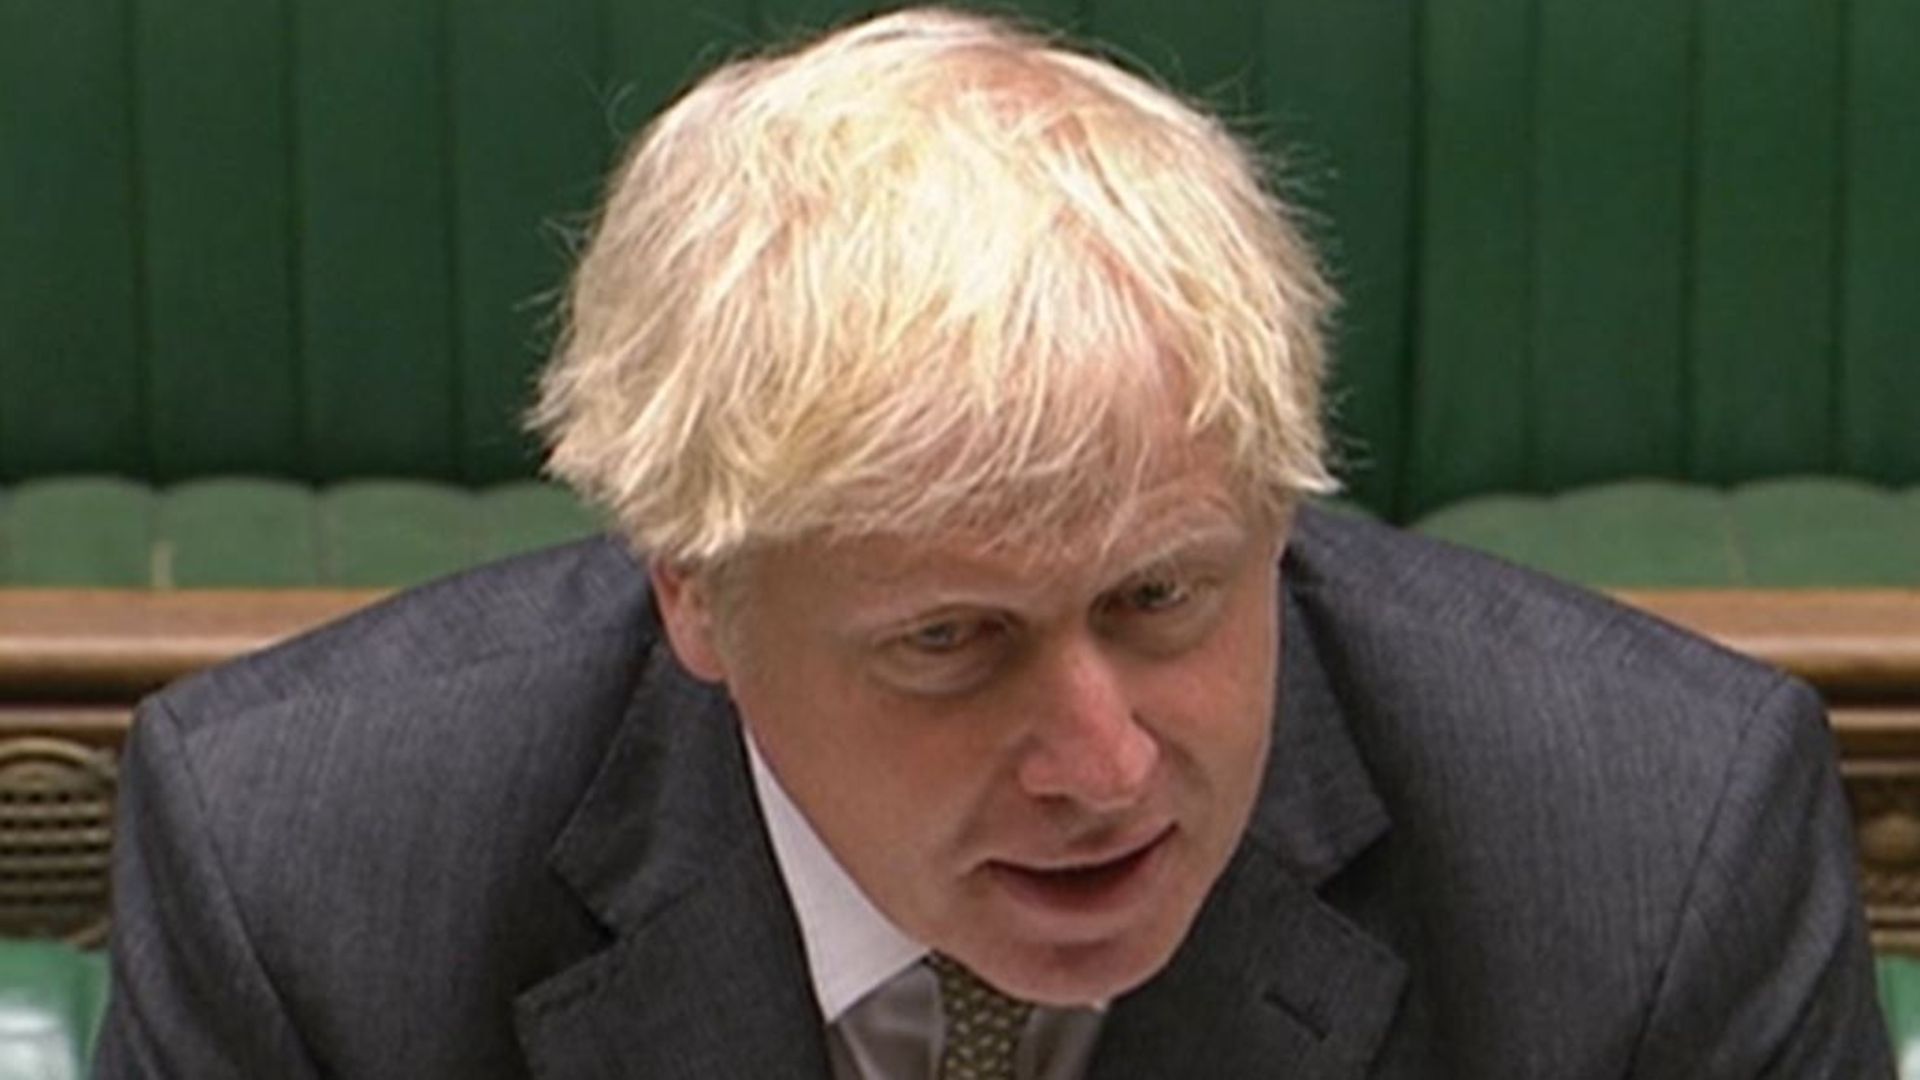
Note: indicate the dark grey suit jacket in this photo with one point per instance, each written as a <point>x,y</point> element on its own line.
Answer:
<point>491,829</point>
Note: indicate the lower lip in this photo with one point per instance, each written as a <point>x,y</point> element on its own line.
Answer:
<point>1098,892</point>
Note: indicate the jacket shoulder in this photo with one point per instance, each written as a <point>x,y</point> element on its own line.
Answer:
<point>1450,604</point>
<point>1568,782</point>
<point>396,781</point>
<point>560,600</point>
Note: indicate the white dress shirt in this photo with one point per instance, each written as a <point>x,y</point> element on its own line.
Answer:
<point>880,1004</point>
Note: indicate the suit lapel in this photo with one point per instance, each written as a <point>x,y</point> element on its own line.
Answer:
<point>1273,981</point>
<point>705,975</point>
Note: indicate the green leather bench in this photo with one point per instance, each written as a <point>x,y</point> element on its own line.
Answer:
<point>249,532</point>
<point>1791,532</point>
<point>51,997</point>
<point>227,532</point>
<point>1900,997</point>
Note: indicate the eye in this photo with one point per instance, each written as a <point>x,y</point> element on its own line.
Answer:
<point>944,657</point>
<point>947,636</point>
<point>1161,615</point>
<point>1154,595</point>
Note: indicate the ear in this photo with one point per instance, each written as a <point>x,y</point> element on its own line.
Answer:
<point>687,610</point>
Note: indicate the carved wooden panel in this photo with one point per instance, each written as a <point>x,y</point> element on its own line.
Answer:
<point>56,833</point>
<point>1885,794</point>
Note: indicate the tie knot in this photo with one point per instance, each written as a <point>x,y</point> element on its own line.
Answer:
<point>983,1025</point>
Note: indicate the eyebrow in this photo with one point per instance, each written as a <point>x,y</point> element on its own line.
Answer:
<point>1216,532</point>
<point>1194,533</point>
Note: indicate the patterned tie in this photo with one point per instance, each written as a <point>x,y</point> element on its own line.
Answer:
<point>983,1024</point>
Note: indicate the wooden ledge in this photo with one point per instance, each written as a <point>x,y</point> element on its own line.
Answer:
<point>1851,643</point>
<point>116,645</point>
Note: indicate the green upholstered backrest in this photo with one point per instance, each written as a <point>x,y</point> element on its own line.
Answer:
<point>1652,534</point>
<point>217,533</point>
<point>318,239</point>
<point>102,531</point>
<point>51,997</point>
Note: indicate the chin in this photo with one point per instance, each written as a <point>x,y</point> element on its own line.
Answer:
<point>1072,975</point>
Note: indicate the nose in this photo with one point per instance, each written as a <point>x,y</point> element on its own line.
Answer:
<point>1088,743</point>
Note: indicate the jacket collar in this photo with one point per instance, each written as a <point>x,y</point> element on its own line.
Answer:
<point>1272,980</point>
<point>706,975</point>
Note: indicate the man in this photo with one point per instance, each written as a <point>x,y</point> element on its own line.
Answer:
<point>982,689</point>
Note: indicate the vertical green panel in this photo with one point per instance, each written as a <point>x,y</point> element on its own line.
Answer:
<point>1337,86</point>
<point>1764,194</point>
<point>1881,268</point>
<point>375,295</point>
<point>70,376</point>
<point>1611,131</point>
<point>212,110</point>
<point>527,151</point>
<point>1211,51</point>
<point>656,49</point>
<point>1470,424</point>
<point>784,21</point>
<point>1064,15</point>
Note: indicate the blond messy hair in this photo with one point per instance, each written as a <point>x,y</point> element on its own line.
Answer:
<point>931,271</point>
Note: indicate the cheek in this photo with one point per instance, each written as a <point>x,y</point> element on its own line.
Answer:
<point>883,783</point>
<point>1219,702</point>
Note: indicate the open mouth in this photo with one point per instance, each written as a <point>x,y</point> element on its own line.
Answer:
<point>1088,887</point>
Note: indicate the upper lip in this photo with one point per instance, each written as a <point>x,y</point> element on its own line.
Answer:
<point>1108,851</point>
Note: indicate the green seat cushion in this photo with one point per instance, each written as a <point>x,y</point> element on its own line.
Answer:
<point>1789,533</point>
<point>388,532</point>
<point>513,518</point>
<point>1827,532</point>
<point>237,532</point>
<point>250,532</point>
<point>84,530</point>
<point>246,532</point>
<point>51,997</point>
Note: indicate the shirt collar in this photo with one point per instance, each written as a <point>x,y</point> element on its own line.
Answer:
<point>852,949</point>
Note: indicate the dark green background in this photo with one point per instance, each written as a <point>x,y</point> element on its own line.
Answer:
<point>319,239</point>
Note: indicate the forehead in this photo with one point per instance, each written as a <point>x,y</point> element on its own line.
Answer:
<point>1189,511</point>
